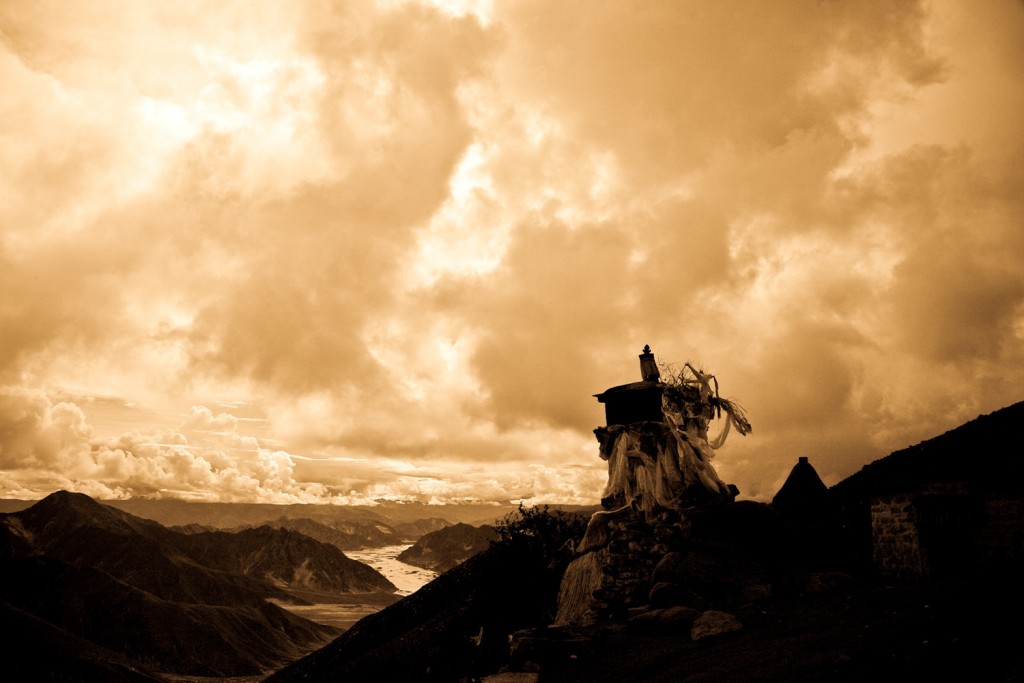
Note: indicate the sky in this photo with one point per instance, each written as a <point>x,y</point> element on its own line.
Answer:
<point>339,252</point>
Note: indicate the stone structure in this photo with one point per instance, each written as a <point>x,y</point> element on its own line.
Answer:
<point>659,471</point>
<point>656,438</point>
<point>944,531</point>
<point>896,544</point>
<point>946,509</point>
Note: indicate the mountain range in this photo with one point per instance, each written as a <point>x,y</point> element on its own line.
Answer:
<point>77,572</point>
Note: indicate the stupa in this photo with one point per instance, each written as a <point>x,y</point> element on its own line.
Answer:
<point>659,455</point>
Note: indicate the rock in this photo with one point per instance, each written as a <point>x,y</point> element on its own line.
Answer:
<point>679,615</point>
<point>669,567</point>
<point>713,623</point>
<point>667,594</point>
<point>666,617</point>
<point>578,595</point>
<point>719,572</point>
<point>512,677</point>
<point>539,647</point>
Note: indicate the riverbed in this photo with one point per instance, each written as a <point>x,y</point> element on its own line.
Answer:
<point>343,614</point>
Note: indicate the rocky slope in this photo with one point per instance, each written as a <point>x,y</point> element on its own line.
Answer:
<point>344,535</point>
<point>457,625</point>
<point>286,559</point>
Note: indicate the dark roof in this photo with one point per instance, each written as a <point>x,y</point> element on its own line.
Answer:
<point>626,389</point>
<point>802,487</point>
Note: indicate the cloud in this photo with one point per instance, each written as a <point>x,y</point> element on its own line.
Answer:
<point>48,446</point>
<point>418,239</point>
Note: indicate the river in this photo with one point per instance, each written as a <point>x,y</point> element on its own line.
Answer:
<point>407,578</point>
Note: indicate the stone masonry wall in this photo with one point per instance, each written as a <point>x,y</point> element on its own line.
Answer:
<point>897,547</point>
<point>1001,538</point>
<point>637,543</point>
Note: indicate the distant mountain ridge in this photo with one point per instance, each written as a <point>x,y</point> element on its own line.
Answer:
<point>173,512</point>
<point>272,553</point>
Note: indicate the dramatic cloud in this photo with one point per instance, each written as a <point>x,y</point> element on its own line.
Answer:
<point>338,252</point>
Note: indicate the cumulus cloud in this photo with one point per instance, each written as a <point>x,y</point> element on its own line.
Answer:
<point>47,445</point>
<point>418,237</point>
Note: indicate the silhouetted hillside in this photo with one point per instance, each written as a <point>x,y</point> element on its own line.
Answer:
<point>453,626</point>
<point>982,453</point>
<point>76,529</point>
<point>36,650</point>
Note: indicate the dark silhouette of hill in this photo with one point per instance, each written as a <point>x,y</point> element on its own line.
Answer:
<point>76,529</point>
<point>187,603</point>
<point>806,612</point>
<point>452,626</point>
<point>445,548</point>
<point>36,650</point>
<point>212,640</point>
<point>981,453</point>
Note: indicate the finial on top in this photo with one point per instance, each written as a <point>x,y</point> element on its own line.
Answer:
<point>648,366</point>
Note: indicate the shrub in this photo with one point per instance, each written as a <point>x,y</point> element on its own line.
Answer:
<point>546,530</point>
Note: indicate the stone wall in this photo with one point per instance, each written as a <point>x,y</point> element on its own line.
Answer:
<point>617,576</point>
<point>895,541</point>
<point>1000,541</point>
<point>947,532</point>
<point>638,542</point>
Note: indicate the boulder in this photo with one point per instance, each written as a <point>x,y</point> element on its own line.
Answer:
<point>714,623</point>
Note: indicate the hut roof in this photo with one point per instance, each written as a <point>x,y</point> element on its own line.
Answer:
<point>802,487</point>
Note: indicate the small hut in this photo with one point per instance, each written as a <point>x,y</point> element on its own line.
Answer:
<point>804,496</point>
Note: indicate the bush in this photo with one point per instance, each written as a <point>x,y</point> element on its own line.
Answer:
<point>542,528</point>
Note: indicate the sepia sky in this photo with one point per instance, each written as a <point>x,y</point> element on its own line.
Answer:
<point>342,251</point>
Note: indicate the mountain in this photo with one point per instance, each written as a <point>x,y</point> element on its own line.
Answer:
<point>35,650</point>
<point>415,530</point>
<point>174,512</point>
<point>76,529</point>
<point>354,537</point>
<point>286,559</point>
<point>407,521</point>
<point>443,549</point>
<point>192,604</point>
